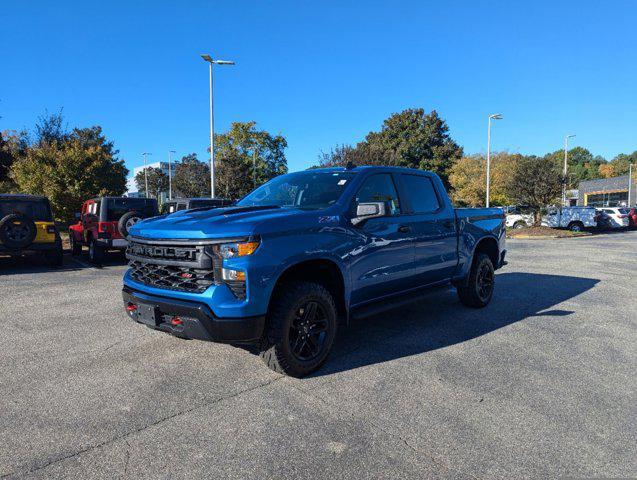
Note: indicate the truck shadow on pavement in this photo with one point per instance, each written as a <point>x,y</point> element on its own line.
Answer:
<point>29,264</point>
<point>440,320</point>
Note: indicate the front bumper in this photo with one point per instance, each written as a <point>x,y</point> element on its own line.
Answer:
<point>197,320</point>
<point>112,243</point>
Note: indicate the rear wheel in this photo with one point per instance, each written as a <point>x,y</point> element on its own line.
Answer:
<point>576,226</point>
<point>478,290</point>
<point>76,248</point>
<point>95,252</point>
<point>519,224</point>
<point>300,329</point>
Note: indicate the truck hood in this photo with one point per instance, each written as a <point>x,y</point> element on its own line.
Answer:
<point>211,223</point>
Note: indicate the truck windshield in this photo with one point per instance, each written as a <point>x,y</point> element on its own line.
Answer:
<point>310,189</point>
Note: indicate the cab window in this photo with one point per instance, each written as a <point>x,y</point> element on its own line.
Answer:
<point>380,188</point>
<point>37,210</point>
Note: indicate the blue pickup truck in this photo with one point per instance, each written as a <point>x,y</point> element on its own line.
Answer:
<point>306,251</point>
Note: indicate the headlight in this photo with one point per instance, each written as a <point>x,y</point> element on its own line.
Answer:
<point>232,250</point>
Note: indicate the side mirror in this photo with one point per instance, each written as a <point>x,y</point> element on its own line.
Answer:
<point>365,211</point>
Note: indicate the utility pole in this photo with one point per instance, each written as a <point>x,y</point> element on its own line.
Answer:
<point>565,169</point>
<point>170,174</point>
<point>495,116</point>
<point>210,61</point>
<point>146,172</point>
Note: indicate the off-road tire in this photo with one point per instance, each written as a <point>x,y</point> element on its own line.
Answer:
<point>30,231</point>
<point>95,252</point>
<point>275,349</point>
<point>471,293</point>
<point>122,226</point>
<point>76,248</point>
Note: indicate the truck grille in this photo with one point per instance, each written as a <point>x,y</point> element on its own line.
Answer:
<point>186,268</point>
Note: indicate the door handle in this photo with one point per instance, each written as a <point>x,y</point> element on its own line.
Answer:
<point>404,229</point>
<point>448,223</point>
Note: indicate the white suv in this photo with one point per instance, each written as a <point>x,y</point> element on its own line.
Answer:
<point>617,217</point>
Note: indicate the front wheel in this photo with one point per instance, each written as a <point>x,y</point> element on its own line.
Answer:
<point>519,225</point>
<point>576,227</point>
<point>478,290</point>
<point>300,329</point>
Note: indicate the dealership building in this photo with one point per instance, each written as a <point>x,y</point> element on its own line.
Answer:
<point>607,192</point>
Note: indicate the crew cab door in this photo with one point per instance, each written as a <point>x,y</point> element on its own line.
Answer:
<point>382,263</point>
<point>433,225</point>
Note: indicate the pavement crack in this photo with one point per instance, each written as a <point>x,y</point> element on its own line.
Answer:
<point>391,434</point>
<point>125,435</point>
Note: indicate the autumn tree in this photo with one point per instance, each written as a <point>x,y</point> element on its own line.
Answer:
<point>618,165</point>
<point>468,179</point>
<point>192,177</point>
<point>536,182</point>
<point>411,138</point>
<point>157,182</point>
<point>246,157</point>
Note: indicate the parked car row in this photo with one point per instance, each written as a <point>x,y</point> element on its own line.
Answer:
<point>27,225</point>
<point>574,218</point>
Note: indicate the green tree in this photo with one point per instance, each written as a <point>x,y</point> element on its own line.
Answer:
<point>245,157</point>
<point>582,165</point>
<point>411,138</point>
<point>192,177</point>
<point>536,182</point>
<point>157,182</point>
<point>12,146</point>
<point>69,167</point>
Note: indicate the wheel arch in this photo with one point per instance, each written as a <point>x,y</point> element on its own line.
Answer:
<point>322,270</point>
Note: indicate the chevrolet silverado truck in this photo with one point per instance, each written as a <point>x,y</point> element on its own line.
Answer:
<point>304,252</point>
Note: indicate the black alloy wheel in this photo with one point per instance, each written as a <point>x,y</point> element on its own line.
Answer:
<point>308,331</point>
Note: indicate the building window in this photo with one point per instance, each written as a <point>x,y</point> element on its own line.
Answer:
<point>607,199</point>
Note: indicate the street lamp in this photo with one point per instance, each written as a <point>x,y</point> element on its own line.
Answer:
<point>146,172</point>
<point>630,183</point>
<point>170,174</point>
<point>495,116</point>
<point>565,168</point>
<point>210,61</point>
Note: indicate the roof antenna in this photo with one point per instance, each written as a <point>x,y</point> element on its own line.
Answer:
<point>350,165</point>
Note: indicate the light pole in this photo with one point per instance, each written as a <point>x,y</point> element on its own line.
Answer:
<point>210,61</point>
<point>630,183</point>
<point>565,168</point>
<point>146,172</point>
<point>495,116</point>
<point>254,167</point>
<point>170,174</point>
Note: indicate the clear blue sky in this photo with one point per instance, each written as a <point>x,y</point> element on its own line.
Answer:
<point>324,73</point>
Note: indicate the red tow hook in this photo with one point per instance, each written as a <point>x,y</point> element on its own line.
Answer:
<point>131,307</point>
<point>176,321</point>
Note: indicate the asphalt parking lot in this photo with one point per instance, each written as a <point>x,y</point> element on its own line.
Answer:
<point>541,383</point>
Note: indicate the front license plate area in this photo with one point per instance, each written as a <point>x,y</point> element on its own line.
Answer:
<point>147,314</point>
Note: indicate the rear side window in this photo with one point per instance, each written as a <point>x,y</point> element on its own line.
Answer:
<point>421,193</point>
<point>380,188</point>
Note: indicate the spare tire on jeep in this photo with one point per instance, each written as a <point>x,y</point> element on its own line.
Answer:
<point>127,220</point>
<point>17,231</point>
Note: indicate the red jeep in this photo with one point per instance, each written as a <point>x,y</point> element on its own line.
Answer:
<point>104,222</point>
